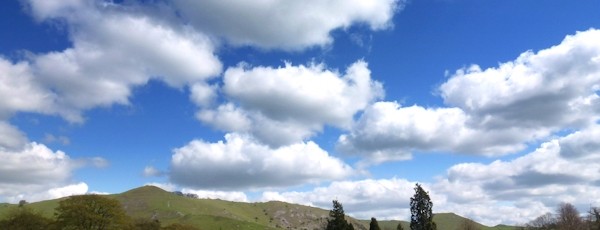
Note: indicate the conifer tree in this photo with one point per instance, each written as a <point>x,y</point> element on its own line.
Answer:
<point>337,218</point>
<point>374,225</point>
<point>421,210</point>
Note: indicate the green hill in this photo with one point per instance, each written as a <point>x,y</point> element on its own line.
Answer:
<point>149,202</point>
<point>444,221</point>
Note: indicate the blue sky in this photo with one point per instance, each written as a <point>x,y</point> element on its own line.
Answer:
<point>492,105</point>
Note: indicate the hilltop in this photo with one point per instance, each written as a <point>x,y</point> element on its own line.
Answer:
<point>150,202</point>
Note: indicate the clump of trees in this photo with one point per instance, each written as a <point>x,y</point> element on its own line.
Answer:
<point>420,209</point>
<point>567,217</point>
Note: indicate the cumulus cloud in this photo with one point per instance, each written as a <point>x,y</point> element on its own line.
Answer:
<point>150,171</point>
<point>494,111</point>
<point>285,24</point>
<point>288,104</point>
<point>114,49</point>
<point>240,162</point>
<point>35,172</point>
<point>388,198</point>
<point>12,138</point>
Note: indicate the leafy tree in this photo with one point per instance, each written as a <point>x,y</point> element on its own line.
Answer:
<point>467,224</point>
<point>374,225</point>
<point>337,218</point>
<point>568,217</point>
<point>22,218</point>
<point>90,212</point>
<point>421,210</point>
<point>399,227</point>
<point>22,203</point>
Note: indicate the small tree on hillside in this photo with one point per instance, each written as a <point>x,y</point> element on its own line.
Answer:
<point>337,218</point>
<point>421,210</point>
<point>399,227</point>
<point>374,225</point>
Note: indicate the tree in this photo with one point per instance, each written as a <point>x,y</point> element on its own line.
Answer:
<point>91,212</point>
<point>543,222</point>
<point>421,210</point>
<point>22,218</point>
<point>594,218</point>
<point>374,225</point>
<point>467,224</point>
<point>399,227</point>
<point>337,218</point>
<point>568,217</point>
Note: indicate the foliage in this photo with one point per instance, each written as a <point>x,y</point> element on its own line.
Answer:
<point>22,218</point>
<point>337,218</point>
<point>421,210</point>
<point>374,225</point>
<point>92,212</point>
<point>145,224</point>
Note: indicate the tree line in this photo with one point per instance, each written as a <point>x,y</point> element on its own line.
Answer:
<point>90,212</point>
<point>567,217</point>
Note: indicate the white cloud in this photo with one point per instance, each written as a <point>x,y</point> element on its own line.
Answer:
<point>20,91</point>
<point>114,49</point>
<point>285,105</point>
<point>35,172</point>
<point>52,193</point>
<point>285,24</point>
<point>240,162</point>
<point>494,111</point>
<point>223,195</point>
<point>12,138</point>
<point>164,186</point>
<point>150,171</point>
<point>361,199</point>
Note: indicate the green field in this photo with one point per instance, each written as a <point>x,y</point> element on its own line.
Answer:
<point>150,202</point>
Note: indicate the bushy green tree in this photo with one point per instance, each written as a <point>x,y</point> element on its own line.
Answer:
<point>23,218</point>
<point>421,210</point>
<point>91,212</point>
<point>374,225</point>
<point>337,218</point>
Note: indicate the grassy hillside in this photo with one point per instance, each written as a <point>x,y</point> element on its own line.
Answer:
<point>150,202</point>
<point>444,221</point>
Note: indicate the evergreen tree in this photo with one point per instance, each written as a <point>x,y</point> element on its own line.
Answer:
<point>374,225</point>
<point>399,227</point>
<point>421,210</point>
<point>337,218</point>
